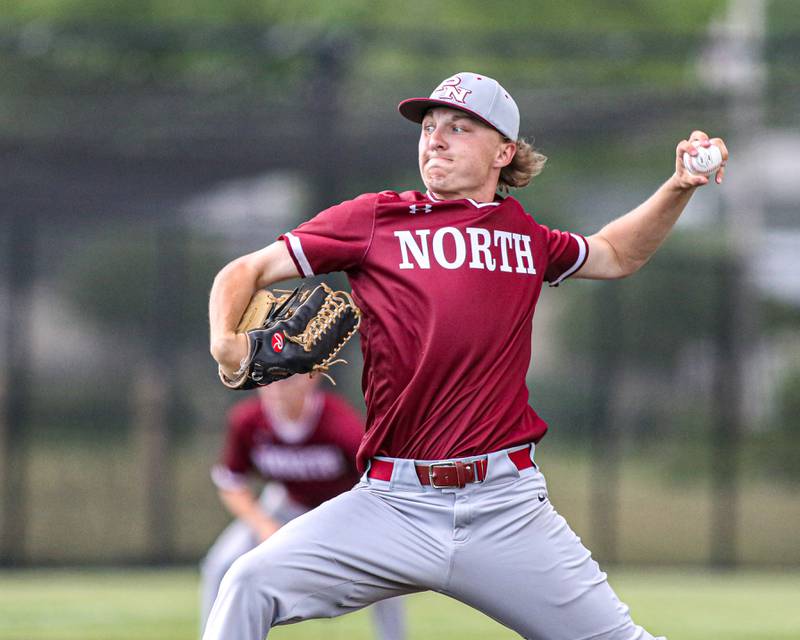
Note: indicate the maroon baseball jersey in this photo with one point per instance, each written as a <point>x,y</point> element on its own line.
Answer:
<point>448,289</point>
<point>315,460</point>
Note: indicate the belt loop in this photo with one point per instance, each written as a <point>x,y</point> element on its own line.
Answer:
<point>461,474</point>
<point>403,475</point>
<point>522,458</point>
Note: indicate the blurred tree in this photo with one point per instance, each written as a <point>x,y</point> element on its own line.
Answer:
<point>671,305</point>
<point>113,280</point>
<point>473,15</point>
<point>550,43</point>
<point>779,448</point>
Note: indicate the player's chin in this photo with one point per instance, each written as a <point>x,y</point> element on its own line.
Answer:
<point>435,178</point>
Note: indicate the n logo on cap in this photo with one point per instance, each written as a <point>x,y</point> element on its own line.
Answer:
<point>450,90</point>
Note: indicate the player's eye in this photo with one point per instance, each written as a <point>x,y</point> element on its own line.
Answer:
<point>428,128</point>
<point>458,129</point>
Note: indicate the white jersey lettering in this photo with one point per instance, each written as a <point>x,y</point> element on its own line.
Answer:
<point>438,248</point>
<point>522,248</point>
<point>419,251</point>
<point>480,241</point>
<point>316,462</point>
<point>503,239</point>
<point>483,248</point>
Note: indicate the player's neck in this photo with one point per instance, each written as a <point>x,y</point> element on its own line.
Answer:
<point>291,424</point>
<point>479,196</point>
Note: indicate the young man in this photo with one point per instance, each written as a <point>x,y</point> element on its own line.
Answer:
<point>448,281</point>
<point>302,442</point>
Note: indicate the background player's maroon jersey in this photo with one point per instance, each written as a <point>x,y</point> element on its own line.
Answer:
<point>315,464</point>
<point>448,290</point>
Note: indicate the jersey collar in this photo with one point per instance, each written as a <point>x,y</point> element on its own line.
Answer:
<point>477,205</point>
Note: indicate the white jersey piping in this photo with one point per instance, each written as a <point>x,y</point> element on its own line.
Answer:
<point>582,250</point>
<point>297,249</point>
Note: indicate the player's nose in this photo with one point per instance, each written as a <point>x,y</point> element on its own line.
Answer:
<point>436,139</point>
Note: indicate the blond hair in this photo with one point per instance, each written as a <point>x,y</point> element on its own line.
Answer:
<point>526,164</point>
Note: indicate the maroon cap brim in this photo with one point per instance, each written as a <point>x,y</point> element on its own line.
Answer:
<point>414,109</point>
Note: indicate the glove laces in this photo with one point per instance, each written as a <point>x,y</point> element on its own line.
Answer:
<point>335,305</point>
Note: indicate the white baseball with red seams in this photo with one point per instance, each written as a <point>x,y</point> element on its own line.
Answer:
<point>707,161</point>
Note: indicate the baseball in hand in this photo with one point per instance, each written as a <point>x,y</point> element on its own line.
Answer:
<point>706,162</point>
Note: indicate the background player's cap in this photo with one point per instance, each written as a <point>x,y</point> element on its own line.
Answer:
<point>478,95</point>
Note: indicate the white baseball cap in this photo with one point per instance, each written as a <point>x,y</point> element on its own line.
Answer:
<point>480,96</point>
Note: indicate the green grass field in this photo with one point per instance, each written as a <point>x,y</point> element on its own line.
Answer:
<point>162,605</point>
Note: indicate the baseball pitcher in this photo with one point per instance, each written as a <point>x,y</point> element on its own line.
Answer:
<point>447,280</point>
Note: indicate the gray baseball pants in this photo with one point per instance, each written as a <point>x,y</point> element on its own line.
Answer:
<point>238,538</point>
<point>498,546</point>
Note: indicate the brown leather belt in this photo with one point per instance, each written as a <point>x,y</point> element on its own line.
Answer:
<point>453,473</point>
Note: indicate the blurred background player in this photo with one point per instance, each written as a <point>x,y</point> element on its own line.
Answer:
<point>302,442</point>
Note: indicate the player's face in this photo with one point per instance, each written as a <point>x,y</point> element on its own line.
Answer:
<point>460,157</point>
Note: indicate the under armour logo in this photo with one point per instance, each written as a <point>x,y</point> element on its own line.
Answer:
<point>414,209</point>
<point>449,90</point>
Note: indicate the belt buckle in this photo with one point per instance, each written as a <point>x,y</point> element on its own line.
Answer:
<point>430,474</point>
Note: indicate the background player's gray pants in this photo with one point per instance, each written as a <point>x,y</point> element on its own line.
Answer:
<point>498,546</point>
<point>237,539</point>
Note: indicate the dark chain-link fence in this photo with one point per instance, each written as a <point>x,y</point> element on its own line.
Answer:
<point>134,162</point>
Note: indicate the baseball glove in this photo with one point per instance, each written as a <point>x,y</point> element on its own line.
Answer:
<point>290,332</point>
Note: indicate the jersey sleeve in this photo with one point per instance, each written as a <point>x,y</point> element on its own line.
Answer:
<point>567,252</point>
<point>231,471</point>
<point>336,239</point>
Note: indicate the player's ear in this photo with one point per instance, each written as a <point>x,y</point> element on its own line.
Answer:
<point>505,153</point>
